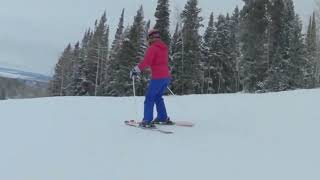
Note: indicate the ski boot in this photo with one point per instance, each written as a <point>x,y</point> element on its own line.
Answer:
<point>144,124</point>
<point>165,122</point>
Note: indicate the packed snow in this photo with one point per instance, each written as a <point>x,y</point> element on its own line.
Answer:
<point>273,136</point>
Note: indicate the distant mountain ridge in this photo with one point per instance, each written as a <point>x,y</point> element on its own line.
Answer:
<point>24,75</point>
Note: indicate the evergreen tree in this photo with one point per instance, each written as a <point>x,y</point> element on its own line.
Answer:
<point>141,29</point>
<point>97,55</point>
<point>312,51</point>
<point>282,50</point>
<point>279,59</point>
<point>144,78</point>
<point>235,47</point>
<point>208,53</point>
<point>113,66</point>
<point>224,71</point>
<point>221,51</point>
<point>3,95</point>
<point>148,24</point>
<point>312,46</point>
<point>176,58</point>
<point>308,67</point>
<point>299,74</point>
<point>296,49</point>
<point>130,54</point>
<point>190,80</point>
<point>317,14</point>
<point>103,72</point>
<point>308,36</point>
<point>163,20</point>
<point>139,38</point>
<point>76,70</point>
<point>208,37</point>
<point>82,84</point>
<point>254,63</point>
<point>116,44</point>
<point>62,79</point>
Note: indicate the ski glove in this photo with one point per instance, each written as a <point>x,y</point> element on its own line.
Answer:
<point>135,72</point>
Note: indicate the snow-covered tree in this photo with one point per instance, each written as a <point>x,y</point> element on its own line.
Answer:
<point>317,13</point>
<point>189,65</point>
<point>235,47</point>
<point>207,58</point>
<point>299,75</point>
<point>62,78</point>
<point>224,63</point>
<point>131,52</point>
<point>3,95</point>
<point>97,55</point>
<point>116,44</point>
<point>76,63</point>
<point>113,64</point>
<point>254,61</point>
<point>81,83</point>
<point>312,50</point>
<point>103,72</point>
<point>163,20</point>
<point>279,59</point>
<point>176,58</point>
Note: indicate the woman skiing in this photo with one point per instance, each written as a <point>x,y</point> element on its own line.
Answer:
<point>156,58</point>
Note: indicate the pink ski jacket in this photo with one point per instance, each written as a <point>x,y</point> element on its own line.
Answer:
<point>156,57</point>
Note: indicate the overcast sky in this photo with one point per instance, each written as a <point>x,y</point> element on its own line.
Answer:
<point>33,33</point>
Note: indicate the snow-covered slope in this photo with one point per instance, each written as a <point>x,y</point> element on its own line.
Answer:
<point>18,74</point>
<point>237,137</point>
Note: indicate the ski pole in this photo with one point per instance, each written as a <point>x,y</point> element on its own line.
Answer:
<point>134,95</point>
<point>171,91</point>
<point>134,87</point>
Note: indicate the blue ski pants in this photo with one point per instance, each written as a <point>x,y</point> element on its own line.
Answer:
<point>153,97</point>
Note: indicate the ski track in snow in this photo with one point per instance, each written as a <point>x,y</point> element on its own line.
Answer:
<point>236,137</point>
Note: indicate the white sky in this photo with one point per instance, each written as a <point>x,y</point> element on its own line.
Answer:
<point>33,33</point>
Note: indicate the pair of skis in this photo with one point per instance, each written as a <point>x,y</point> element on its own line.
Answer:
<point>133,123</point>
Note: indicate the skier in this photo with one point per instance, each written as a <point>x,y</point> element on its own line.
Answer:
<point>156,58</point>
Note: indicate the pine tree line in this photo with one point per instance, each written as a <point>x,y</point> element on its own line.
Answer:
<point>276,57</point>
<point>313,55</point>
<point>81,70</point>
<point>317,28</point>
<point>260,48</point>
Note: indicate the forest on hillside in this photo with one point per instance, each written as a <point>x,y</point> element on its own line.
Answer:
<point>11,88</point>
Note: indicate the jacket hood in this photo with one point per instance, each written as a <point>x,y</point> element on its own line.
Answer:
<point>159,44</point>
